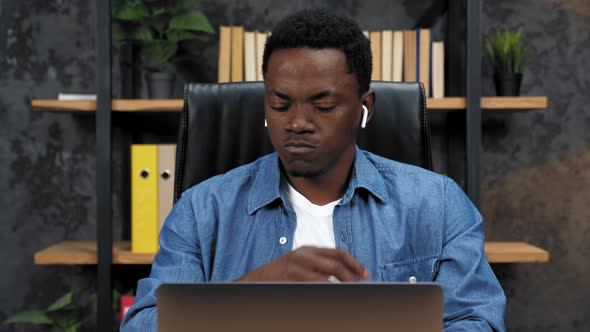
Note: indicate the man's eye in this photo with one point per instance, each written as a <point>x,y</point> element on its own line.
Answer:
<point>325,108</point>
<point>281,108</point>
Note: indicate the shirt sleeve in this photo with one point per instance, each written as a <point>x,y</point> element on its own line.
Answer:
<point>474,299</point>
<point>178,261</point>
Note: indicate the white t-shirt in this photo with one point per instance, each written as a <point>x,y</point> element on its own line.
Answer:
<point>315,226</point>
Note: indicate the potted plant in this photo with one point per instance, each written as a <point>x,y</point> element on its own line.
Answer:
<point>70,313</point>
<point>508,54</point>
<point>159,27</point>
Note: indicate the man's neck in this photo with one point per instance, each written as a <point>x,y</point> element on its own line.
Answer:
<point>327,187</point>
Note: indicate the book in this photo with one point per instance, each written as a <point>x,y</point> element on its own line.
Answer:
<point>260,43</point>
<point>398,56</point>
<point>386,55</point>
<point>76,96</point>
<point>126,303</point>
<point>410,56</point>
<point>423,58</point>
<point>224,63</point>
<point>144,198</point>
<point>375,37</point>
<point>438,70</point>
<point>249,56</point>
<point>166,164</point>
<point>237,54</point>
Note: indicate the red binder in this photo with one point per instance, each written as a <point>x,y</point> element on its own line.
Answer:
<point>126,303</point>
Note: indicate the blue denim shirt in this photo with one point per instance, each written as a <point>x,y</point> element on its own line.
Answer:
<point>398,220</point>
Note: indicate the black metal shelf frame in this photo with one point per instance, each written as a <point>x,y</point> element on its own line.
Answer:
<point>473,112</point>
<point>104,204</point>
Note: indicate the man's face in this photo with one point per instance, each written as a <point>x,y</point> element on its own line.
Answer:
<point>313,109</point>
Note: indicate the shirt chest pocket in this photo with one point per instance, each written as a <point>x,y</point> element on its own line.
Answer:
<point>422,269</point>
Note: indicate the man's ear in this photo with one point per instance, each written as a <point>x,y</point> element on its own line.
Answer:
<point>368,99</point>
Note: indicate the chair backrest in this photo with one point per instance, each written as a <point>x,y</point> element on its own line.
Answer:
<point>222,127</point>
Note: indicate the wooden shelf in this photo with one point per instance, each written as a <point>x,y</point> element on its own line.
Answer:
<point>515,252</point>
<point>118,105</point>
<point>513,103</point>
<point>490,103</point>
<point>446,104</point>
<point>84,252</point>
<point>175,105</point>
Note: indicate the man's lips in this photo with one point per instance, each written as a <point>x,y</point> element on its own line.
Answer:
<point>298,147</point>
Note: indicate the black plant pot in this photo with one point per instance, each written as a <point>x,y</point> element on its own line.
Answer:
<point>160,85</point>
<point>507,84</point>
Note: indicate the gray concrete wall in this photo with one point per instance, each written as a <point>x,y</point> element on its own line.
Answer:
<point>46,160</point>
<point>534,184</point>
<point>535,179</point>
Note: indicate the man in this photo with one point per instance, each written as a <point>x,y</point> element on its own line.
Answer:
<point>320,208</point>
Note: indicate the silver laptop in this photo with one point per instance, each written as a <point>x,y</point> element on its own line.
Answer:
<point>300,307</point>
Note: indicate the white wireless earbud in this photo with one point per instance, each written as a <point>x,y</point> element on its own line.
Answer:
<point>365,115</point>
<point>265,124</point>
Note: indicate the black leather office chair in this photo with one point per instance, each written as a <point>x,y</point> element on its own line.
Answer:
<point>222,127</point>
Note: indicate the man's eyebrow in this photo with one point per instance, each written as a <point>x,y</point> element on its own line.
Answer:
<point>280,95</point>
<point>314,97</point>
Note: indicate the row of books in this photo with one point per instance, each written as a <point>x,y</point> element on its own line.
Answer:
<point>152,193</point>
<point>240,54</point>
<point>400,56</point>
<point>408,56</point>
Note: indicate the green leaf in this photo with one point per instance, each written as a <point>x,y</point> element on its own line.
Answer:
<point>157,25</point>
<point>73,328</point>
<point>62,302</point>
<point>187,3</point>
<point>131,10</point>
<point>118,33</point>
<point>160,11</point>
<point>179,35</point>
<point>193,21</point>
<point>143,34</point>
<point>490,50</point>
<point>29,316</point>
<point>116,7</point>
<point>116,300</point>
<point>161,51</point>
<point>507,50</point>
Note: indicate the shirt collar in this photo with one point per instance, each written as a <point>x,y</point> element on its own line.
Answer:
<point>365,175</point>
<point>267,183</point>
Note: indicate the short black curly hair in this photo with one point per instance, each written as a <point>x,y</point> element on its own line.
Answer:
<point>318,28</point>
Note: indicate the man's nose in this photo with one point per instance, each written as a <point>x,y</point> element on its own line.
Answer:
<point>300,119</point>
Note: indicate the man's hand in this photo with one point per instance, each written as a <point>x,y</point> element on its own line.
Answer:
<point>310,264</point>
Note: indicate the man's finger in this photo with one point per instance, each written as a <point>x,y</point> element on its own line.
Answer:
<point>348,260</point>
<point>328,265</point>
<point>300,273</point>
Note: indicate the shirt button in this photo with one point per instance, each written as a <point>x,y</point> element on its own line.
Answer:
<point>283,240</point>
<point>412,280</point>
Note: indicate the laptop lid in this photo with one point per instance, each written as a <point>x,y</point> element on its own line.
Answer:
<point>297,307</point>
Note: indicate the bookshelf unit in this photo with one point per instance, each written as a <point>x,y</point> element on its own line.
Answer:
<point>464,79</point>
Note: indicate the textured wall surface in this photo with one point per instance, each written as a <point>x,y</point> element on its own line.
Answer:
<point>534,184</point>
<point>535,179</point>
<point>46,160</point>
